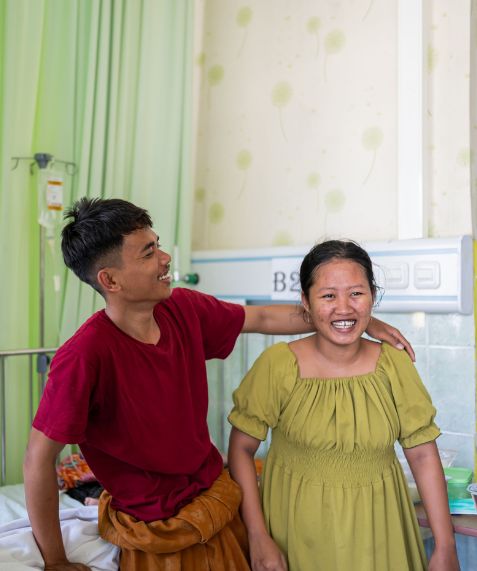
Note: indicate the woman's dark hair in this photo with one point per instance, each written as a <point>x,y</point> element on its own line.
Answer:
<point>335,250</point>
<point>94,236</point>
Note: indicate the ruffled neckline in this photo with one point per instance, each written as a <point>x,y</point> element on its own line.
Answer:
<point>328,379</point>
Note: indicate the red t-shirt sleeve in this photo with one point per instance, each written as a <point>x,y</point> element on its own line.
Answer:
<point>221,322</point>
<point>63,411</point>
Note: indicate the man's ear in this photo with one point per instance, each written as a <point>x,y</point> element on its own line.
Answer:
<point>107,280</point>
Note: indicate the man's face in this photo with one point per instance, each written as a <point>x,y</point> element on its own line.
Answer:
<point>144,272</point>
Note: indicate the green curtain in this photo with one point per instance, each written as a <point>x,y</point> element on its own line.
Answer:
<point>106,84</point>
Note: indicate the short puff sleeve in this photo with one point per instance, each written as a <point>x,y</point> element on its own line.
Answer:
<point>264,392</point>
<point>413,403</point>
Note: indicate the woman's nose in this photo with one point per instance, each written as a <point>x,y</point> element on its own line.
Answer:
<point>342,304</point>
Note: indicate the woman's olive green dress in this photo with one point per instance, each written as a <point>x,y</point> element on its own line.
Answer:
<point>333,492</point>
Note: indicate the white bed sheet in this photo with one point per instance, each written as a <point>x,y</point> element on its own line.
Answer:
<point>79,525</point>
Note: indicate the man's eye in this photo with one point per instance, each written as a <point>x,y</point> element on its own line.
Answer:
<point>356,293</point>
<point>328,296</point>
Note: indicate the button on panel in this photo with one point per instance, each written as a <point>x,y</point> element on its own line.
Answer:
<point>396,275</point>
<point>427,275</point>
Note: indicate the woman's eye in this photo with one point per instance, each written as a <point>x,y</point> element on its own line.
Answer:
<point>328,296</point>
<point>356,293</point>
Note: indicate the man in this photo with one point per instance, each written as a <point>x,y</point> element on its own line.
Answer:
<point>130,388</point>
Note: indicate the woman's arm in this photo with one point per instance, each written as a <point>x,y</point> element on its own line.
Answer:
<point>427,471</point>
<point>264,553</point>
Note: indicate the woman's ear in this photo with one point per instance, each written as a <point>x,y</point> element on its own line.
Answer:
<point>107,281</point>
<point>377,294</point>
<point>304,302</point>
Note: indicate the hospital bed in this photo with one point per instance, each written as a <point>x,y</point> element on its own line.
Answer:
<point>79,523</point>
<point>18,550</point>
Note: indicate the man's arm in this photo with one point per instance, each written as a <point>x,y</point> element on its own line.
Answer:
<point>288,320</point>
<point>275,320</point>
<point>380,330</point>
<point>41,493</point>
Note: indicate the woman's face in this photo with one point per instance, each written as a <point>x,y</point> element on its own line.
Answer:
<point>340,301</point>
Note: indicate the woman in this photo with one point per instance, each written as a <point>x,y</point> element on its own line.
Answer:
<point>333,493</point>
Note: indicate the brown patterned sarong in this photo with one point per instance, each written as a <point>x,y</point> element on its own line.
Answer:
<point>206,535</point>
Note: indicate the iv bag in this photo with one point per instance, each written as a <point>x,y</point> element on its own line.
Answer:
<point>50,199</point>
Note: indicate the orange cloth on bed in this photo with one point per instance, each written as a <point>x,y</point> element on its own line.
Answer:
<point>206,535</point>
<point>73,470</point>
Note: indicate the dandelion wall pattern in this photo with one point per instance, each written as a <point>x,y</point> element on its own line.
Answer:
<point>297,121</point>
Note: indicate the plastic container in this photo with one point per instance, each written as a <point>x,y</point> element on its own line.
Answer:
<point>458,480</point>
<point>472,489</point>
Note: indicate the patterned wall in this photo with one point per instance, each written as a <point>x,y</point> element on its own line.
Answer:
<point>297,116</point>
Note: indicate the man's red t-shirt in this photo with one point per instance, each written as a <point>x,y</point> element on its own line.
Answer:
<point>139,411</point>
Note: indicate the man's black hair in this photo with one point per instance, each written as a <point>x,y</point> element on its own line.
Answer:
<point>93,237</point>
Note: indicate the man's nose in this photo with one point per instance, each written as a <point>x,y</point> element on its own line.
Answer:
<point>164,257</point>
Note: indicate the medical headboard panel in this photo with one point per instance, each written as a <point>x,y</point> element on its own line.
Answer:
<point>433,275</point>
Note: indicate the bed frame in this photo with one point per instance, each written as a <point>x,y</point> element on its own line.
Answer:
<point>36,362</point>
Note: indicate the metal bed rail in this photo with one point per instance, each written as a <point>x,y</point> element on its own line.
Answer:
<point>43,357</point>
